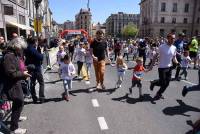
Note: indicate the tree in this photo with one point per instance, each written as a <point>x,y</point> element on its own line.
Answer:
<point>130,30</point>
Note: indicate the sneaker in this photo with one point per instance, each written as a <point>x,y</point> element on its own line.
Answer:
<point>151,85</point>
<point>130,90</point>
<point>98,86</point>
<point>79,77</point>
<point>184,91</point>
<point>103,86</point>
<point>20,131</point>
<point>66,97</point>
<point>22,118</point>
<point>177,79</point>
<point>120,86</point>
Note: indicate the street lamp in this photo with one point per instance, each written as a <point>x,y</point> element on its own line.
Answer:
<point>37,3</point>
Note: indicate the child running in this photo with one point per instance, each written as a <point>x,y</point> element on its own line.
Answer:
<point>88,60</point>
<point>121,68</point>
<point>138,72</point>
<point>67,70</point>
<point>185,64</point>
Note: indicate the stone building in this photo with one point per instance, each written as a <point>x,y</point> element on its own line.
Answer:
<point>159,17</point>
<point>116,22</point>
<point>83,20</point>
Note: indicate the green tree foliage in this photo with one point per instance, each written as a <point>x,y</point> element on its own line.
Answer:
<point>130,30</point>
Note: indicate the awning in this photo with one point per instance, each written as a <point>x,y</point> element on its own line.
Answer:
<point>20,26</point>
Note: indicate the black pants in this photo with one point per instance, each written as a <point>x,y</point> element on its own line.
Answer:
<point>199,77</point>
<point>71,54</point>
<point>164,79</point>
<point>117,53</point>
<point>178,68</point>
<point>126,54</point>
<point>143,55</point>
<point>80,65</point>
<point>39,77</point>
<point>17,107</point>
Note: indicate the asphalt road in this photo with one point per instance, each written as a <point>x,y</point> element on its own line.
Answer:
<point>113,111</point>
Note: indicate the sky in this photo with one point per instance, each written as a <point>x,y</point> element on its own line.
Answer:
<point>101,9</point>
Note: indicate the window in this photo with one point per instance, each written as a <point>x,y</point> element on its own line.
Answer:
<point>162,32</point>
<point>22,19</point>
<point>185,20</point>
<point>198,20</point>
<point>186,10</point>
<point>174,7</point>
<point>173,20</point>
<point>185,31</point>
<point>163,7</point>
<point>162,20</point>
<point>8,10</point>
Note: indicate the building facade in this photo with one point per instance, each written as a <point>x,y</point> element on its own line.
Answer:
<point>69,25</point>
<point>159,17</point>
<point>116,22</point>
<point>96,27</point>
<point>15,16</point>
<point>83,20</point>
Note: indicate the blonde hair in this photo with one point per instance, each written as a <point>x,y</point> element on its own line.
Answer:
<point>139,59</point>
<point>120,60</point>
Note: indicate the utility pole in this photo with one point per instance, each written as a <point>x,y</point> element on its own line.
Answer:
<point>88,5</point>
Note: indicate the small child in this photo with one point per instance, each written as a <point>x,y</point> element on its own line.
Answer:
<point>60,54</point>
<point>151,54</point>
<point>67,70</point>
<point>88,60</point>
<point>138,72</point>
<point>80,58</point>
<point>185,64</point>
<point>121,68</point>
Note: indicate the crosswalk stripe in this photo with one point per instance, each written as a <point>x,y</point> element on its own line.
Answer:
<point>102,123</point>
<point>95,103</point>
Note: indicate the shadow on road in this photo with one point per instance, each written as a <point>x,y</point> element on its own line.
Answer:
<point>181,109</point>
<point>126,98</point>
<point>53,82</point>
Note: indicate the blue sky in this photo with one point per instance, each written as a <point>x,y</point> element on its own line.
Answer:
<point>67,9</point>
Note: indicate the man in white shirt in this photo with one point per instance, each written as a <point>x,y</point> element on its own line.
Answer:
<point>166,53</point>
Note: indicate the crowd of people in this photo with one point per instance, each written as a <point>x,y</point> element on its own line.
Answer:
<point>21,60</point>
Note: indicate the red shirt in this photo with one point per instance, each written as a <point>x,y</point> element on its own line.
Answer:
<point>138,71</point>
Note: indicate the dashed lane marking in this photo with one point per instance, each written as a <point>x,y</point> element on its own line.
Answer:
<point>95,103</point>
<point>102,123</point>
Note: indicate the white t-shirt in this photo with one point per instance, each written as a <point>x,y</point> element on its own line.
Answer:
<point>60,55</point>
<point>67,71</point>
<point>185,61</point>
<point>166,54</point>
<point>125,49</point>
<point>80,54</point>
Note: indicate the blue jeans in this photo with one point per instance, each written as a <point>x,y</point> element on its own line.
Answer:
<point>67,86</point>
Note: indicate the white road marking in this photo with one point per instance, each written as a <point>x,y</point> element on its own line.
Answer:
<point>95,103</point>
<point>102,123</point>
<point>189,82</point>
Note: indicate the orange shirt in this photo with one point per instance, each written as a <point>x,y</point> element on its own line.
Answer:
<point>138,71</point>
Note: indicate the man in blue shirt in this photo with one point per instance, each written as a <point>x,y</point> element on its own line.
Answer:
<point>179,50</point>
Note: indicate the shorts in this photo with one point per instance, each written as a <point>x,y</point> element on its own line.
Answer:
<point>137,82</point>
<point>193,54</point>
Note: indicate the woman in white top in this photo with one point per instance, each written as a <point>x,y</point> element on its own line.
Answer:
<point>166,53</point>
<point>80,58</point>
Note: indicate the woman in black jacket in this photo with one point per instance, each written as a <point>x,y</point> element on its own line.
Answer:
<point>14,74</point>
